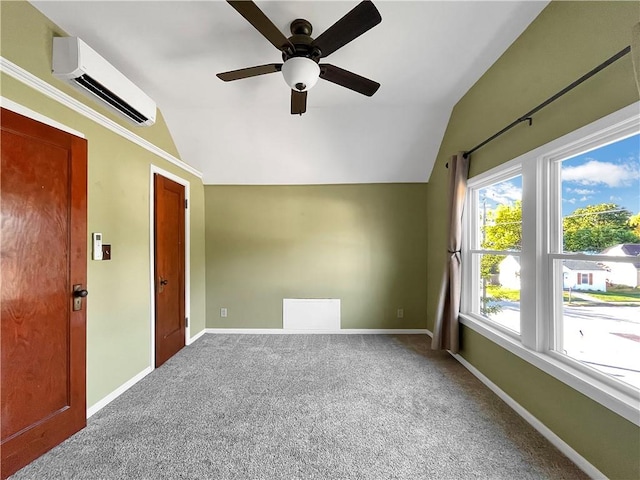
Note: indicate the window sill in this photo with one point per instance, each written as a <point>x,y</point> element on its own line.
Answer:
<point>622,403</point>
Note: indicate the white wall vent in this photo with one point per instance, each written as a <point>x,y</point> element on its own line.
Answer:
<point>311,314</point>
<point>78,64</point>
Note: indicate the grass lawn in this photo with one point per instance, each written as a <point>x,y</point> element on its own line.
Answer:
<point>501,293</point>
<point>626,295</point>
<point>617,296</point>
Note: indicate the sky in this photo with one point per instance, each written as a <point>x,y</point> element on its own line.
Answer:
<point>609,174</point>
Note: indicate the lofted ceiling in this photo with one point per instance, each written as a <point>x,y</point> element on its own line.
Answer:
<point>425,54</point>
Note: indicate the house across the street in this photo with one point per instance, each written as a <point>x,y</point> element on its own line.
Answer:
<point>584,275</point>
<point>509,272</point>
<point>624,273</point>
<point>576,274</point>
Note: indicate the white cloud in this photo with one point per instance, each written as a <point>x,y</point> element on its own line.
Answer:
<point>594,172</point>
<point>505,192</point>
<point>613,198</point>
<point>569,200</point>
<point>580,191</point>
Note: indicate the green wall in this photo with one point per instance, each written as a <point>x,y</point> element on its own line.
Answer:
<point>377,247</point>
<point>118,307</point>
<point>363,244</point>
<point>564,42</point>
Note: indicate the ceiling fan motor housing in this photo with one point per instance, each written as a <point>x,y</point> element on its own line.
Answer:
<point>302,41</point>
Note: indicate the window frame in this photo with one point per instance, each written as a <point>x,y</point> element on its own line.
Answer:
<point>541,247</point>
<point>472,249</point>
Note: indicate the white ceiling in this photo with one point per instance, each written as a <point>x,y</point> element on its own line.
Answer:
<point>425,54</point>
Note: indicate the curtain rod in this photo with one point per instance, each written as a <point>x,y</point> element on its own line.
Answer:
<point>527,116</point>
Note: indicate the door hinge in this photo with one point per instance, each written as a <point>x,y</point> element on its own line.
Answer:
<point>186,321</point>
<point>186,203</point>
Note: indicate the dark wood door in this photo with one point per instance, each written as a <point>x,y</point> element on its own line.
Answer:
<point>169,268</point>
<point>43,254</point>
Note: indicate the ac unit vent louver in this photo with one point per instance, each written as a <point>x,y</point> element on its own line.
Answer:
<point>77,63</point>
<point>111,98</point>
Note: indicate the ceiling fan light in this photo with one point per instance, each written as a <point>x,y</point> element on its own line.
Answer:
<point>300,73</point>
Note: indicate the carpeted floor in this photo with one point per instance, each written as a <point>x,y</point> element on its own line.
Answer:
<point>306,407</point>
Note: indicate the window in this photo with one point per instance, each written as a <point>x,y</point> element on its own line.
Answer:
<point>551,259</point>
<point>594,199</point>
<point>495,251</point>
<point>585,278</point>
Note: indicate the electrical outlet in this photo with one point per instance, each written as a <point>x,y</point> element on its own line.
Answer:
<point>223,312</point>
<point>400,313</point>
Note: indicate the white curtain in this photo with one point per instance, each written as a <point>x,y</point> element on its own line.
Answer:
<point>446,328</point>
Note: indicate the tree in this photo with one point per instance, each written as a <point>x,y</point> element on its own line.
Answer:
<point>596,227</point>
<point>502,230</point>
<point>634,222</point>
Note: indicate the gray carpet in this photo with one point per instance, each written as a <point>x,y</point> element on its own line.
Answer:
<point>306,407</point>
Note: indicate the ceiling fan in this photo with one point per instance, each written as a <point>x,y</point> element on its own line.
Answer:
<point>301,53</point>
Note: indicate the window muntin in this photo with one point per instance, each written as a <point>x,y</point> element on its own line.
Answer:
<point>542,318</point>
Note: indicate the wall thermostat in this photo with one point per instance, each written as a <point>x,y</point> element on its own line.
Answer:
<point>97,246</point>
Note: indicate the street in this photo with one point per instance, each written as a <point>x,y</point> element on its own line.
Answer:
<point>605,337</point>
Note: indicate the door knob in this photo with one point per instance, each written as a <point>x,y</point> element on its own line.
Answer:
<point>78,294</point>
<point>164,281</point>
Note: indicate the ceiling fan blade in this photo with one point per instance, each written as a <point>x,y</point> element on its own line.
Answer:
<point>361,18</point>
<point>261,22</point>
<point>298,102</point>
<point>249,72</point>
<point>348,79</point>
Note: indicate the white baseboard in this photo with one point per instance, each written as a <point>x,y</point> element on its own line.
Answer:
<point>346,331</point>
<point>555,440</point>
<point>130,383</point>
<point>197,336</point>
<point>117,392</point>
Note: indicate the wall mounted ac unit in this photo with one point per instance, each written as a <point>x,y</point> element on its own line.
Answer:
<point>78,64</point>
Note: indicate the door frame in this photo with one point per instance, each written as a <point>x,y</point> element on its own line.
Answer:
<point>33,115</point>
<point>154,169</point>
